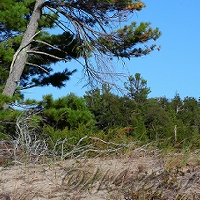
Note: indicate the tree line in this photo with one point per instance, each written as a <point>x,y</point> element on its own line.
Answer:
<point>131,116</point>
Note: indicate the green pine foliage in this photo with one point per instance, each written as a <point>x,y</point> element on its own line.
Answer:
<point>8,123</point>
<point>158,122</point>
<point>132,35</point>
<point>14,18</point>
<point>66,112</point>
<point>167,123</point>
<point>137,88</point>
<point>172,124</point>
<point>108,108</point>
<point>65,119</point>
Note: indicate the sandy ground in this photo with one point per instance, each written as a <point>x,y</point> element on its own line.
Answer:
<point>129,177</point>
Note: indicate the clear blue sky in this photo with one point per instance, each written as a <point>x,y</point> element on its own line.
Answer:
<point>174,69</point>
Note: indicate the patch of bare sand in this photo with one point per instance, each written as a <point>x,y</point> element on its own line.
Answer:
<point>100,179</point>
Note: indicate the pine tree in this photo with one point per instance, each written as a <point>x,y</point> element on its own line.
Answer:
<point>137,88</point>
<point>66,112</point>
<point>14,18</point>
<point>86,30</point>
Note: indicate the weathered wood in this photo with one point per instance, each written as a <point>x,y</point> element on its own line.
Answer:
<point>21,55</point>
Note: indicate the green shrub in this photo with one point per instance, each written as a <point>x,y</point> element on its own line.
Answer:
<point>66,112</point>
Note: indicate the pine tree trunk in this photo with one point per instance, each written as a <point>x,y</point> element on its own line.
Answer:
<point>20,57</point>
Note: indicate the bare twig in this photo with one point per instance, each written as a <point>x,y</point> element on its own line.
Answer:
<point>28,138</point>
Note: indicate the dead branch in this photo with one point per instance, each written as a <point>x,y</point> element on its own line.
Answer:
<point>27,139</point>
<point>35,65</point>
<point>20,49</point>
<point>47,54</point>
<point>81,150</point>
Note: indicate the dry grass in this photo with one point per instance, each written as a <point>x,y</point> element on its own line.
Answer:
<point>29,171</point>
<point>140,174</point>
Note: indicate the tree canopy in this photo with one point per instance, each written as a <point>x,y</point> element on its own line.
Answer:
<point>89,29</point>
